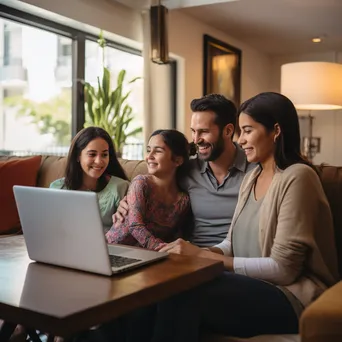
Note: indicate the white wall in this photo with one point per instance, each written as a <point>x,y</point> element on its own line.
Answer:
<point>327,124</point>
<point>186,40</point>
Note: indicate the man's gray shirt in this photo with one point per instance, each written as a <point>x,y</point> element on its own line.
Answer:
<point>213,205</point>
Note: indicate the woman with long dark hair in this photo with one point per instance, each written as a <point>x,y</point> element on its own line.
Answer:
<point>92,166</point>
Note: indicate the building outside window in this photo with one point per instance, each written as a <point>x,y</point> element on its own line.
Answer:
<point>35,95</point>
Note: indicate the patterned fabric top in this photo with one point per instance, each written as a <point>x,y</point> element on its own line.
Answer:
<point>149,222</point>
<point>109,198</point>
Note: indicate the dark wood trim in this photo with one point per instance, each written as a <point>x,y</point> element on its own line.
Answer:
<point>78,75</point>
<point>173,89</point>
<point>115,45</point>
<point>36,21</point>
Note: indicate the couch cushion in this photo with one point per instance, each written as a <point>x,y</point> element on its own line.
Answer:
<point>332,183</point>
<point>14,171</point>
<point>52,168</point>
<point>133,168</point>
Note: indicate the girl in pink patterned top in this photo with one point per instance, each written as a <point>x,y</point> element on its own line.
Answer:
<point>158,206</point>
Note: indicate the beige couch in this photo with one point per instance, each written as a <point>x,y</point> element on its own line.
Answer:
<point>321,321</point>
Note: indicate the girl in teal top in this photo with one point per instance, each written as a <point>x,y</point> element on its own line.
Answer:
<point>92,166</point>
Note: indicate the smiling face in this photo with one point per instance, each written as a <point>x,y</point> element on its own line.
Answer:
<point>207,136</point>
<point>94,158</point>
<point>256,141</point>
<point>159,157</point>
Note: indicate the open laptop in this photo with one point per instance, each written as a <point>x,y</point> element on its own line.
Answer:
<point>64,228</point>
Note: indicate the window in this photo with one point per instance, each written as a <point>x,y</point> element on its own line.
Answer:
<point>41,103</point>
<point>35,91</point>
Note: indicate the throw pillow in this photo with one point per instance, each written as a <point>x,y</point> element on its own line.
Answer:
<point>16,171</point>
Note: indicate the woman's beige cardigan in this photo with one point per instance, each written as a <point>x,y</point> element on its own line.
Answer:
<point>295,229</point>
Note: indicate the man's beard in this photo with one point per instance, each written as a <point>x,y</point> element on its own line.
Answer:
<point>217,149</point>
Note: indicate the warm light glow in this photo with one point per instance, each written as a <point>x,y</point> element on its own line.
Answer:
<point>316,40</point>
<point>313,85</point>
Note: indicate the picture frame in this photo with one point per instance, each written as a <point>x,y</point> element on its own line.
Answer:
<point>221,69</point>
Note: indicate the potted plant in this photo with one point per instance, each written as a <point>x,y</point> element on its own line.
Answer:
<point>109,108</point>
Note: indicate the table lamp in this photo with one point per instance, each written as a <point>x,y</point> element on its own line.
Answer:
<point>312,86</point>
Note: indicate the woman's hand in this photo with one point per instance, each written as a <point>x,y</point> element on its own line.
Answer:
<point>182,247</point>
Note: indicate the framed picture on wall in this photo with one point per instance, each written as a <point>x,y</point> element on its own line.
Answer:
<point>221,69</point>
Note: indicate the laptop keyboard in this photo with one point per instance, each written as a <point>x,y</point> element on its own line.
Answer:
<point>118,261</point>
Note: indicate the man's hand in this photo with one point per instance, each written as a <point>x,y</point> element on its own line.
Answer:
<point>121,212</point>
<point>181,247</point>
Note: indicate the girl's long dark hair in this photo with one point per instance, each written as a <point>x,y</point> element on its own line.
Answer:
<point>179,146</point>
<point>74,173</point>
<point>269,109</point>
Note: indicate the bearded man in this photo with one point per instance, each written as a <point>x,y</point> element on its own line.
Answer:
<point>216,174</point>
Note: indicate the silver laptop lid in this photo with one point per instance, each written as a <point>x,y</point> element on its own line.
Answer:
<point>63,228</point>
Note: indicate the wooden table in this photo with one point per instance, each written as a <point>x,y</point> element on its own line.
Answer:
<point>63,302</point>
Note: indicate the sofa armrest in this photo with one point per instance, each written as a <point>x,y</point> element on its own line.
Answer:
<point>322,320</point>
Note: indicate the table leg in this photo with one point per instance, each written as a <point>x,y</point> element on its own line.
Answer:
<point>6,331</point>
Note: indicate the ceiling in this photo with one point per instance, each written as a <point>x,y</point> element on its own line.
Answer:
<point>277,26</point>
<point>270,26</point>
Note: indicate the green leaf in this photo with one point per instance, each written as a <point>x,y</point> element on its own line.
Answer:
<point>134,79</point>
<point>89,107</point>
<point>106,86</point>
<point>121,77</point>
<point>134,132</point>
<point>101,41</point>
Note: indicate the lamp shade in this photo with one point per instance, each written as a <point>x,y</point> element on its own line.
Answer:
<point>313,85</point>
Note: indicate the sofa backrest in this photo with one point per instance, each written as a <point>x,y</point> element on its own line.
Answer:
<point>331,177</point>
<point>53,167</point>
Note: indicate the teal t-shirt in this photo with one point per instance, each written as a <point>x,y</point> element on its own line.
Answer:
<point>109,198</point>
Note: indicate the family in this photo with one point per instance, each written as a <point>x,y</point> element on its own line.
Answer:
<point>257,205</point>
